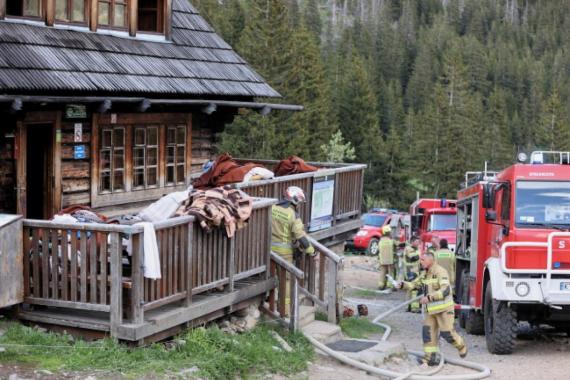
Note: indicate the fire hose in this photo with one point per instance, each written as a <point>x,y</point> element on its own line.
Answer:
<point>483,371</point>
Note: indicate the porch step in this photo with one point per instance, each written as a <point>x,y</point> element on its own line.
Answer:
<point>306,315</point>
<point>324,332</point>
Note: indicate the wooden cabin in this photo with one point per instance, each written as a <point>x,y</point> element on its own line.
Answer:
<point>112,104</point>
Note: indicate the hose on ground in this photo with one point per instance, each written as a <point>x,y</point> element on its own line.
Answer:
<point>482,373</point>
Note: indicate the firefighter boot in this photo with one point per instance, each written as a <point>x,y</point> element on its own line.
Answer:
<point>382,279</point>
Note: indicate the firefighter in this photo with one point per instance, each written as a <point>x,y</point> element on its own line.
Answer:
<point>287,229</point>
<point>438,301</point>
<point>434,244</point>
<point>445,258</point>
<point>412,270</point>
<point>386,248</point>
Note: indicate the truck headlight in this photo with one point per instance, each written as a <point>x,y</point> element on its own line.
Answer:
<point>362,233</point>
<point>522,289</point>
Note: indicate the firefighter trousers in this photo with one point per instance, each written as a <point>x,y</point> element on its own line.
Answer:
<point>384,270</point>
<point>434,325</point>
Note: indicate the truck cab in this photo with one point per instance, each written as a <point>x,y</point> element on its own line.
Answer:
<point>513,250</point>
<point>433,218</point>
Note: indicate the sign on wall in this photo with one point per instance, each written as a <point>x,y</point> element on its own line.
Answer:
<point>75,111</point>
<point>322,203</point>
<point>79,152</point>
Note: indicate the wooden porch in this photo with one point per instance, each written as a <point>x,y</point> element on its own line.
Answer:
<point>81,276</point>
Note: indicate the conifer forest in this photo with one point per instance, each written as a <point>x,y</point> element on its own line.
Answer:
<point>419,90</point>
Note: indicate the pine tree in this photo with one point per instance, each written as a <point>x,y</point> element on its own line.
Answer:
<point>554,130</point>
<point>312,19</point>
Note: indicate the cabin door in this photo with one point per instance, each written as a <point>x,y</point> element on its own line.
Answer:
<point>39,179</point>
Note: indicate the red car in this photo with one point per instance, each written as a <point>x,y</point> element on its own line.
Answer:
<point>366,239</point>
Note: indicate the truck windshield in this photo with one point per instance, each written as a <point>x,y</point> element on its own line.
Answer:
<point>542,203</point>
<point>374,220</point>
<point>442,222</point>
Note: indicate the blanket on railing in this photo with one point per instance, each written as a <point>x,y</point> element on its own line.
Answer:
<point>293,165</point>
<point>220,206</point>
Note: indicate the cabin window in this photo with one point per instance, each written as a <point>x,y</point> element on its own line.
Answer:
<point>112,159</point>
<point>139,157</point>
<point>151,16</point>
<point>145,157</point>
<point>24,8</point>
<point>112,13</point>
<point>175,155</point>
<point>70,10</point>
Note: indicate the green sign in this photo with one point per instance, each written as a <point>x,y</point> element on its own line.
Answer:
<point>76,111</point>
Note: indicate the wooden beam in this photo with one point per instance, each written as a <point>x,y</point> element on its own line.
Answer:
<point>57,193</point>
<point>2,9</point>
<point>50,12</point>
<point>116,316</point>
<point>93,4</point>
<point>168,19</point>
<point>133,18</point>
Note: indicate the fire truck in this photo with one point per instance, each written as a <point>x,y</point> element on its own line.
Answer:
<point>513,249</point>
<point>433,217</point>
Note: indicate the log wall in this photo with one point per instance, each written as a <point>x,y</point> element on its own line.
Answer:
<point>75,173</point>
<point>7,168</point>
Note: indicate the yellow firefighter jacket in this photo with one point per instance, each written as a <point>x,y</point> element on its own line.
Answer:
<point>445,258</point>
<point>412,259</point>
<point>286,228</point>
<point>435,285</point>
<point>386,251</point>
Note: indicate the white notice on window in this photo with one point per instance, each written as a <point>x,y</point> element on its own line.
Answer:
<point>557,213</point>
<point>78,132</point>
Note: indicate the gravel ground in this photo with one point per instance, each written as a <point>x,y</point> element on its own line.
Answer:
<point>539,355</point>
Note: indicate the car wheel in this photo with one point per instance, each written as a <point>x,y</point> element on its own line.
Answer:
<point>373,247</point>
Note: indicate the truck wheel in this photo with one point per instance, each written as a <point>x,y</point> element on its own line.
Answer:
<point>500,325</point>
<point>372,247</point>
<point>471,320</point>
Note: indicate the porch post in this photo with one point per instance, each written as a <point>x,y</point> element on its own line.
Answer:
<point>116,316</point>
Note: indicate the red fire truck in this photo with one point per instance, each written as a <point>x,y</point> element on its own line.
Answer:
<point>513,249</point>
<point>433,217</point>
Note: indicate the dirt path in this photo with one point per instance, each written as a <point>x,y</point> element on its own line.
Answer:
<point>539,355</point>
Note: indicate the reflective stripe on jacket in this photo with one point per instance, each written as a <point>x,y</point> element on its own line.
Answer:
<point>435,283</point>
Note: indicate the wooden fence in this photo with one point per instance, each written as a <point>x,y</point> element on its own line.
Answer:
<point>316,278</point>
<point>98,267</point>
<point>347,201</point>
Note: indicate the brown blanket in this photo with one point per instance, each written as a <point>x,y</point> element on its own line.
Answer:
<point>230,207</point>
<point>224,171</point>
<point>293,165</point>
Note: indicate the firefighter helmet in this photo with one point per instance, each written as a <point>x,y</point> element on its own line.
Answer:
<point>295,195</point>
<point>386,230</point>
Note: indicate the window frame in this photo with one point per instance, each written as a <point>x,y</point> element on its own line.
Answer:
<point>130,122</point>
<point>86,8</point>
<point>42,11</point>
<point>111,14</point>
<point>161,10</point>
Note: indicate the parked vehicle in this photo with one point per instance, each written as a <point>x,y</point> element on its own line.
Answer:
<point>513,250</point>
<point>367,238</point>
<point>433,217</point>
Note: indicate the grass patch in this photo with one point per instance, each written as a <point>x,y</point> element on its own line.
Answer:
<point>216,354</point>
<point>321,316</point>
<point>364,293</point>
<point>359,328</point>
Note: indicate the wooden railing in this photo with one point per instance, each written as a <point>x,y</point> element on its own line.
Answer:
<point>317,278</point>
<point>86,266</point>
<point>347,191</point>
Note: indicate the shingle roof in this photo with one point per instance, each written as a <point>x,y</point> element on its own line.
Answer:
<point>197,62</point>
